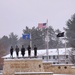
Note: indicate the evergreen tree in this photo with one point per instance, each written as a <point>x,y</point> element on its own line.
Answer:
<point>59,40</point>
<point>4,43</point>
<point>13,39</point>
<point>70,31</point>
<point>25,42</point>
<point>37,37</point>
<point>52,37</point>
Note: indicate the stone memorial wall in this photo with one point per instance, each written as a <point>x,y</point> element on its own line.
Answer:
<point>23,65</point>
<point>59,68</point>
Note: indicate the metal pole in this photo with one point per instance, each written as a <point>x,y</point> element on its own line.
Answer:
<point>47,41</point>
<point>58,48</point>
<point>30,41</point>
<point>47,46</point>
<point>65,49</point>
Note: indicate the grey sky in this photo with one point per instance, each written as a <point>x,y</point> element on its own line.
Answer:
<point>15,15</point>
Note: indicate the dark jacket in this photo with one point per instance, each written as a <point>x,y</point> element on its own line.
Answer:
<point>22,51</point>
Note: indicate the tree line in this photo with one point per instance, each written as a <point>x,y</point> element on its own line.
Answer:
<point>38,38</point>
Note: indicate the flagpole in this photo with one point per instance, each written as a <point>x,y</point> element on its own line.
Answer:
<point>60,35</point>
<point>65,48</point>
<point>30,41</point>
<point>47,42</point>
<point>58,48</point>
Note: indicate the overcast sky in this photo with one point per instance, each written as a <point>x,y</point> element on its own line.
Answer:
<point>15,15</point>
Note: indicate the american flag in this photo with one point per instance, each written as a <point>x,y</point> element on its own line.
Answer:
<point>42,25</point>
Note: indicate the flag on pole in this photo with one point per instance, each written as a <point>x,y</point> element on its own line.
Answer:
<point>60,34</point>
<point>26,36</point>
<point>42,25</point>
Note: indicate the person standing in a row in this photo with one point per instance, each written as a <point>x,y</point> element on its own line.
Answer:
<point>35,51</point>
<point>17,50</point>
<point>11,51</point>
<point>29,50</point>
<point>23,51</point>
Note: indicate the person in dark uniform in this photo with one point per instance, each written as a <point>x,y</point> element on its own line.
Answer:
<point>23,51</point>
<point>17,50</point>
<point>29,50</point>
<point>35,51</point>
<point>11,51</point>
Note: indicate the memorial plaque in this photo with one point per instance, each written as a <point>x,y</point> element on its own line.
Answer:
<point>19,65</point>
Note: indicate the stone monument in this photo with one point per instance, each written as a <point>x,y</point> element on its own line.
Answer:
<point>24,66</point>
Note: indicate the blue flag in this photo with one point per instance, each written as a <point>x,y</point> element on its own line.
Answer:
<point>26,36</point>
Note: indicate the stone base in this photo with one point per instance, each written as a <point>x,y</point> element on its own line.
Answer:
<point>22,65</point>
